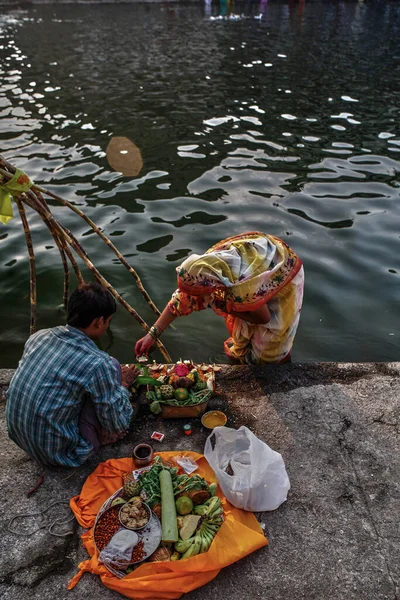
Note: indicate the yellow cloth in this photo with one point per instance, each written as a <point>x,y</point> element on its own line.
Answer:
<point>239,535</point>
<point>19,183</point>
<point>241,274</point>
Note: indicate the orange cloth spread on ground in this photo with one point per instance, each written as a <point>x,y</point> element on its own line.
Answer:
<point>239,535</point>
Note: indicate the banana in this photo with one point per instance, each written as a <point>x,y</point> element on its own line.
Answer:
<point>194,548</point>
<point>212,503</point>
<point>205,543</point>
<point>183,546</point>
<point>200,509</point>
<point>216,521</point>
<point>211,528</point>
<point>190,549</point>
<point>210,535</point>
<point>210,541</point>
<point>216,513</point>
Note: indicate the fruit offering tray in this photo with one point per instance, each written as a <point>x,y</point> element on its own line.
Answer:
<point>190,509</point>
<point>108,523</point>
<point>182,389</point>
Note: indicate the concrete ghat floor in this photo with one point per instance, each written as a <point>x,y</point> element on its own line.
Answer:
<point>337,537</point>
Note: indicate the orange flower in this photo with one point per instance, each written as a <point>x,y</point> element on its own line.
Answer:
<point>22,179</point>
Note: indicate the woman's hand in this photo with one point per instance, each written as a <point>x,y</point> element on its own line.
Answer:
<point>143,345</point>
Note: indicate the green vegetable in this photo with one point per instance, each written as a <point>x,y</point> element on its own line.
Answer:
<point>145,380</point>
<point>159,395</point>
<point>200,509</point>
<point>151,396</point>
<point>174,473</point>
<point>117,501</point>
<point>184,505</point>
<point>200,385</point>
<point>150,483</point>
<point>143,370</point>
<point>195,374</point>
<point>155,407</point>
<point>168,512</point>
<point>213,489</point>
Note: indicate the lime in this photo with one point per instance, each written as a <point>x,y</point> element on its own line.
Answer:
<point>184,505</point>
<point>181,394</point>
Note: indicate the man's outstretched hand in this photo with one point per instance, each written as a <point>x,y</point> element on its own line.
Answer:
<point>129,375</point>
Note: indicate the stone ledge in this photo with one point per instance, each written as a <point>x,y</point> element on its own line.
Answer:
<point>336,537</point>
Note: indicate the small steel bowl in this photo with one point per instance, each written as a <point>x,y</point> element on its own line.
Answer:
<point>218,415</point>
<point>148,510</point>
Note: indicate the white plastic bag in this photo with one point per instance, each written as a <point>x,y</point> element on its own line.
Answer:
<point>119,549</point>
<point>258,480</point>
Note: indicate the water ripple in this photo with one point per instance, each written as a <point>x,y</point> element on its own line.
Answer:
<point>248,116</point>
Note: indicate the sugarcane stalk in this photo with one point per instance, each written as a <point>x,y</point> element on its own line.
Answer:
<point>62,255</point>
<point>35,201</point>
<point>64,233</point>
<point>65,238</point>
<point>68,236</point>
<point>49,223</point>
<point>36,188</point>
<point>32,265</point>
<point>84,256</point>
<point>105,239</point>
<point>66,272</point>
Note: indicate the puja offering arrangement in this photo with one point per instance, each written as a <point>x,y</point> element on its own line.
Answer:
<point>160,514</point>
<point>183,384</point>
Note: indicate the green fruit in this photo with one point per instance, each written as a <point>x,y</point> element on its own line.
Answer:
<point>194,548</point>
<point>167,391</point>
<point>200,509</point>
<point>200,385</point>
<point>132,488</point>
<point>181,394</point>
<point>155,407</point>
<point>213,489</point>
<point>118,501</point>
<point>182,546</point>
<point>184,505</point>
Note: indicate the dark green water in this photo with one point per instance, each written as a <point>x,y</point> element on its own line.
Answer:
<point>280,117</point>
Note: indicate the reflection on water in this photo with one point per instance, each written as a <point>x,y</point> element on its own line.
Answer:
<point>124,156</point>
<point>281,117</point>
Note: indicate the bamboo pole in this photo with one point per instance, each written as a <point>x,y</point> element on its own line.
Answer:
<point>32,265</point>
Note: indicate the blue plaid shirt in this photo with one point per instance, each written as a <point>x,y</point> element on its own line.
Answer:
<point>59,367</point>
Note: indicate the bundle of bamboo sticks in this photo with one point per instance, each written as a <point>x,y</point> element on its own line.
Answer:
<point>68,246</point>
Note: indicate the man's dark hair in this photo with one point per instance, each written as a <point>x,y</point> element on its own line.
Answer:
<point>88,302</point>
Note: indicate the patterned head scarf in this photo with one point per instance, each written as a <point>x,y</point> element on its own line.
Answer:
<point>249,269</point>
